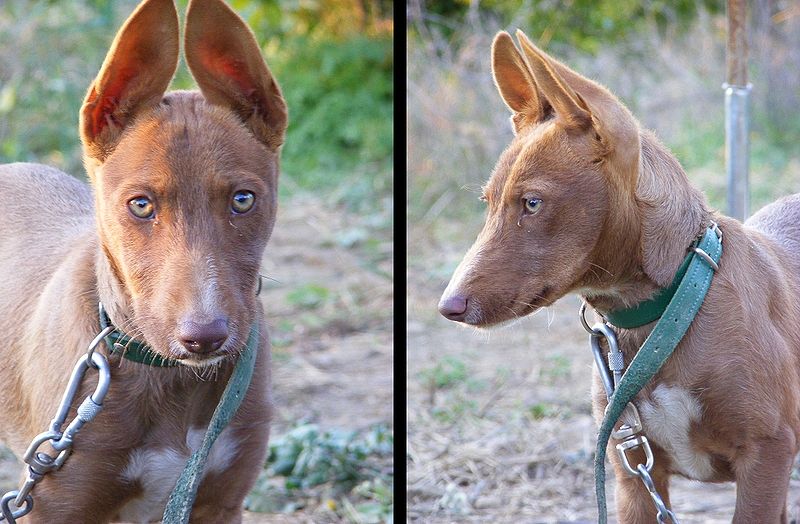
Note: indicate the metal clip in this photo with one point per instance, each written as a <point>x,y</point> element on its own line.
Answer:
<point>705,256</point>
<point>631,423</point>
<point>633,443</point>
<point>90,406</point>
<point>616,362</point>
<point>717,231</point>
<point>40,463</point>
<point>10,515</point>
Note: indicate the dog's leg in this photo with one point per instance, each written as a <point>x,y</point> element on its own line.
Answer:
<point>762,480</point>
<point>634,504</point>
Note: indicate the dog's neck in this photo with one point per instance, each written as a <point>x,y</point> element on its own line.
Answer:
<point>668,214</point>
<point>111,292</point>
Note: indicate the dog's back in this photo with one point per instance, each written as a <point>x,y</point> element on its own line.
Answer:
<point>40,209</point>
<point>780,221</point>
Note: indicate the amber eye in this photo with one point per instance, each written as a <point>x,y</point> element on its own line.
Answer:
<point>532,205</point>
<point>141,207</point>
<point>242,201</point>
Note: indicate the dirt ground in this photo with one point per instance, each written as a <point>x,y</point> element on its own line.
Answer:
<point>503,431</point>
<point>333,358</point>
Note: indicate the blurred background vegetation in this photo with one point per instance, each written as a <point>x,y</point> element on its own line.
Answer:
<point>665,60</point>
<point>333,60</point>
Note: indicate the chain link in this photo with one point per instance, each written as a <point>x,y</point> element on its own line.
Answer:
<point>18,503</point>
<point>664,513</point>
<point>629,432</point>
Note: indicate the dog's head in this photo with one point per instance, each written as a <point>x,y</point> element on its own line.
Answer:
<point>561,197</point>
<point>185,183</point>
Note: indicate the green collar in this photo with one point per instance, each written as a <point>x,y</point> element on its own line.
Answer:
<point>121,344</point>
<point>651,310</point>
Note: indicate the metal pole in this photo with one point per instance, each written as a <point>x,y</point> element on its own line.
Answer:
<point>737,121</point>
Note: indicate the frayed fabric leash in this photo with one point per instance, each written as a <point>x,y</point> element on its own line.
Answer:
<point>179,505</point>
<point>687,294</point>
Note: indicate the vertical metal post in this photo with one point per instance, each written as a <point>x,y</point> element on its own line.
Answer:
<point>737,118</point>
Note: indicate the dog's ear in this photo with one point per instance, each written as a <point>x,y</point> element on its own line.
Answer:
<point>515,83</point>
<point>135,74</point>
<point>226,62</point>
<point>569,107</point>
<point>613,124</point>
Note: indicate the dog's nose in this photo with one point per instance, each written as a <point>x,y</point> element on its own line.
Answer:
<point>453,307</point>
<point>203,338</point>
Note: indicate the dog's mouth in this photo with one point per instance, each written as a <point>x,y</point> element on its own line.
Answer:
<point>537,301</point>
<point>196,361</point>
<point>201,360</point>
<point>484,317</point>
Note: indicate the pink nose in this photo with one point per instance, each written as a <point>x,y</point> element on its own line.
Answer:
<point>203,338</point>
<point>453,307</point>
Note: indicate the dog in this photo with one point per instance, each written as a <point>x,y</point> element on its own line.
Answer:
<point>169,239</point>
<point>585,201</point>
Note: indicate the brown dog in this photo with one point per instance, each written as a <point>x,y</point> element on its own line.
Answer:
<point>185,196</point>
<point>585,201</point>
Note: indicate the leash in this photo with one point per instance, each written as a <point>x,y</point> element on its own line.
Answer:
<point>179,505</point>
<point>685,296</point>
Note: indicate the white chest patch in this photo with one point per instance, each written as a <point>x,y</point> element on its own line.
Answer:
<point>667,417</point>
<point>157,470</point>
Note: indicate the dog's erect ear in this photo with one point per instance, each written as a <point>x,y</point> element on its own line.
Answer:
<point>226,62</point>
<point>137,70</point>
<point>515,83</point>
<point>610,119</point>
<point>569,107</point>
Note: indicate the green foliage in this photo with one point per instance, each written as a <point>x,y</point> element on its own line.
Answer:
<point>542,410</point>
<point>308,296</point>
<point>308,457</point>
<point>454,409</point>
<point>556,368</point>
<point>447,373</point>
<point>584,24</point>
<point>351,464</point>
<point>340,108</point>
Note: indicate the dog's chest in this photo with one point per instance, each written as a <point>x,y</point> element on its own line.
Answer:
<point>156,469</point>
<point>667,417</point>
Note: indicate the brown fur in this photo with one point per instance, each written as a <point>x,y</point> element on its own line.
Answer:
<point>616,218</point>
<point>63,249</point>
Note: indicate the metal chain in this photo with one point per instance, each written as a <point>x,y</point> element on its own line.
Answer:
<point>664,513</point>
<point>629,433</point>
<point>18,503</point>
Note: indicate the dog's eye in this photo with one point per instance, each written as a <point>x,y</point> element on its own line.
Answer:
<point>141,207</point>
<point>532,205</point>
<point>242,201</point>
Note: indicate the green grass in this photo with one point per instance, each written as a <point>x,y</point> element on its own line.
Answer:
<point>351,470</point>
<point>447,373</point>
